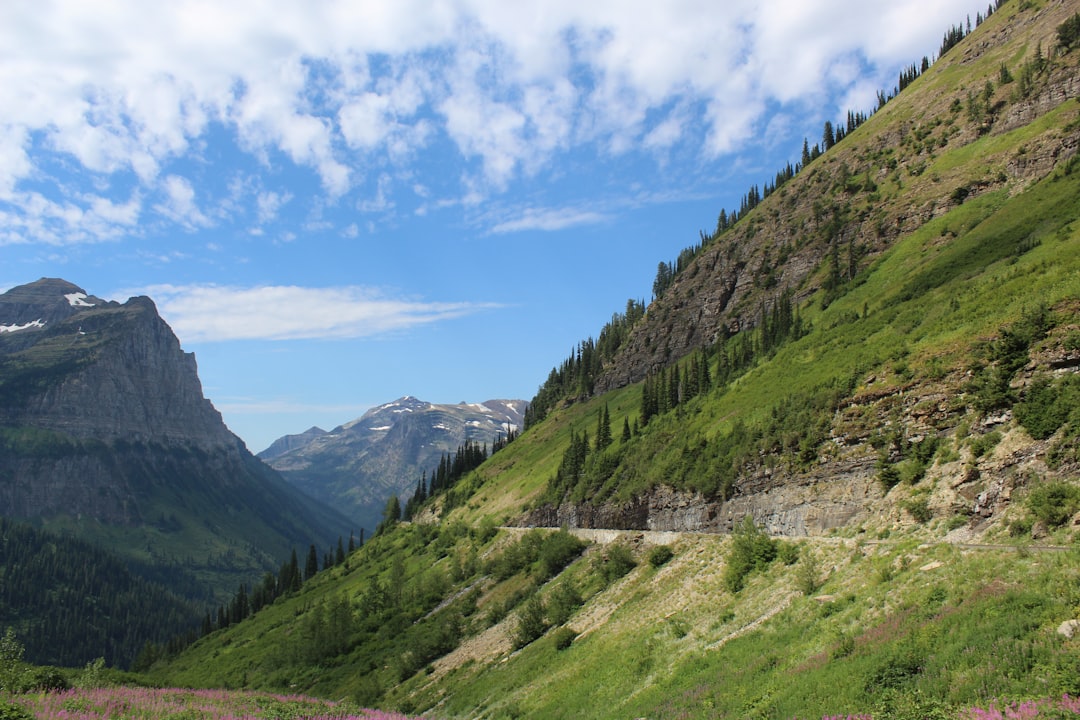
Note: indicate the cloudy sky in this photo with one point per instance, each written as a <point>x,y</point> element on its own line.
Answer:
<point>338,203</point>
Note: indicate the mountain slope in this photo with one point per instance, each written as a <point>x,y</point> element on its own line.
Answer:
<point>106,434</point>
<point>906,416</point>
<point>357,466</point>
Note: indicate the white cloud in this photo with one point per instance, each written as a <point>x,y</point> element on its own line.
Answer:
<point>549,219</point>
<point>212,313</point>
<point>179,203</point>
<point>269,203</point>
<point>339,87</point>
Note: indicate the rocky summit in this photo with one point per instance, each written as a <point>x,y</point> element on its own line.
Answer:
<point>105,431</point>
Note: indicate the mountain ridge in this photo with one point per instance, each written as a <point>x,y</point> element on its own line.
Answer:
<point>386,451</point>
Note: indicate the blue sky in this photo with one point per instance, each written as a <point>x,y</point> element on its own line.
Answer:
<point>335,204</point>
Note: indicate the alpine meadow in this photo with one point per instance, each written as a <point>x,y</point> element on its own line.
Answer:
<point>830,469</point>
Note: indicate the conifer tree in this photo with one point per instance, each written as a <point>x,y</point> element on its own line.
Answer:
<point>311,568</point>
<point>828,138</point>
<point>603,429</point>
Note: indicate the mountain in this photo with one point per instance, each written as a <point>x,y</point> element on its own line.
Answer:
<point>831,470</point>
<point>357,466</point>
<point>105,434</point>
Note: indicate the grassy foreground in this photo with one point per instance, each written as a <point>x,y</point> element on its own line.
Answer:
<point>127,703</point>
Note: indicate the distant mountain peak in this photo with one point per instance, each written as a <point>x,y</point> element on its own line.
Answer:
<point>359,464</point>
<point>37,305</point>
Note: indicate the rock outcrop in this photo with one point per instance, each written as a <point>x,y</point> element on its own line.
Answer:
<point>103,422</point>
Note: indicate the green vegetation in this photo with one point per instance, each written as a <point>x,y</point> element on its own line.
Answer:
<point>923,357</point>
<point>72,601</point>
<point>751,550</point>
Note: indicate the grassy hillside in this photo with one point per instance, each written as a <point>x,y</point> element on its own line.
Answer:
<point>927,380</point>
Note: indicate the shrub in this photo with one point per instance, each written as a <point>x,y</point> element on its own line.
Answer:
<point>919,509</point>
<point>615,562</point>
<point>985,443</point>
<point>1054,502</point>
<point>558,550</point>
<point>806,576</point>
<point>530,622</point>
<point>788,553</point>
<point>1046,406</point>
<point>563,602</point>
<point>751,549</point>
<point>11,711</point>
<point>563,638</point>
<point>660,555</point>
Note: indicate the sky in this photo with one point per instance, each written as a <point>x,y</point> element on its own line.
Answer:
<point>335,204</point>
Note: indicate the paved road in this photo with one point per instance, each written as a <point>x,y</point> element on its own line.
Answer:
<point>666,537</point>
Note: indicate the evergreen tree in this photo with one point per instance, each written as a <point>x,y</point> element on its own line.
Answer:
<point>391,514</point>
<point>828,137</point>
<point>291,578</point>
<point>311,568</point>
<point>603,429</point>
<point>339,556</point>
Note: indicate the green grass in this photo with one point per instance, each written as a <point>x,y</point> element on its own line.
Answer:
<point>900,627</point>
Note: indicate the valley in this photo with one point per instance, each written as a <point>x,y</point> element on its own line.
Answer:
<point>831,470</point>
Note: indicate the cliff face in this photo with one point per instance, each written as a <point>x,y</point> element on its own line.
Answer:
<point>103,419</point>
<point>100,370</point>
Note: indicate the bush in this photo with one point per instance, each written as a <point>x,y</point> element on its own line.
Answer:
<point>46,680</point>
<point>11,711</point>
<point>660,555</point>
<point>1054,502</point>
<point>751,549</point>
<point>530,622</point>
<point>563,602</point>
<point>558,550</point>
<point>919,509</point>
<point>1046,406</point>
<point>615,562</point>
<point>563,638</point>
<point>806,576</point>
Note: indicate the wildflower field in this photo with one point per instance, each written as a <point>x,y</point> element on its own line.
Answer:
<point>127,703</point>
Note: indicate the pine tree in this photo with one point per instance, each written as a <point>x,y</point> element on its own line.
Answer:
<point>603,429</point>
<point>339,556</point>
<point>311,568</point>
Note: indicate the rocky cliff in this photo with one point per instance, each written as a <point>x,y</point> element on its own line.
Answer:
<point>103,424</point>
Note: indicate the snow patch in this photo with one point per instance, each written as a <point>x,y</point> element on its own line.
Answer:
<point>440,426</point>
<point>381,427</point>
<point>27,326</point>
<point>78,300</point>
